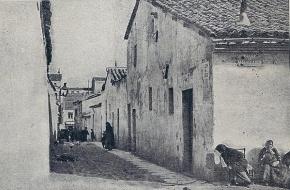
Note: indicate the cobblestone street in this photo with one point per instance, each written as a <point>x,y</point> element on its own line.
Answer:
<point>94,161</point>
<point>119,167</point>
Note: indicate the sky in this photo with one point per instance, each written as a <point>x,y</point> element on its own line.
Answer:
<point>87,37</point>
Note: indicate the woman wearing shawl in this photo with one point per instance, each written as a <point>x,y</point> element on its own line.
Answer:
<point>236,164</point>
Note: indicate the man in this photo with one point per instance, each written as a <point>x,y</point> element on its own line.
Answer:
<point>269,159</point>
<point>236,164</point>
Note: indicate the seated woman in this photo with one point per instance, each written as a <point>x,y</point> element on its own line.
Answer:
<point>236,164</point>
<point>269,159</point>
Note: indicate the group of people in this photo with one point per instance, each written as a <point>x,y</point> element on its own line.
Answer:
<point>275,170</point>
<point>71,135</point>
<point>76,135</point>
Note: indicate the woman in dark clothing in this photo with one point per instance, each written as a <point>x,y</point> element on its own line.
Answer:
<point>236,163</point>
<point>109,137</point>
<point>93,136</point>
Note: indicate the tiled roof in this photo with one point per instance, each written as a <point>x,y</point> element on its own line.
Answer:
<point>99,78</point>
<point>117,73</point>
<point>269,18</point>
<point>55,77</point>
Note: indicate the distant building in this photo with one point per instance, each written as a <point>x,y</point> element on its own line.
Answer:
<point>68,108</point>
<point>54,81</point>
<point>97,84</point>
<point>109,106</point>
<point>115,104</point>
<point>55,78</point>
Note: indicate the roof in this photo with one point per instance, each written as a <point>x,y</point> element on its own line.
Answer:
<point>55,77</point>
<point>117,74</point>
<point>79,88</point>
<point>96,106</point>
<point>269,18</point>
<point>99,78</point>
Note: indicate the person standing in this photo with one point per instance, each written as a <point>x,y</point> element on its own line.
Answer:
<point>93,136</point>
<point>236,164</point>
<point>84,134</point>
<point>109,137</point>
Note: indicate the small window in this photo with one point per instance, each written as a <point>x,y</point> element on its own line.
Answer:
<point>171,101</point>
<point>70,115</point>
<point>150,98</point>
<point>135,56</point>
<point>152,26</point>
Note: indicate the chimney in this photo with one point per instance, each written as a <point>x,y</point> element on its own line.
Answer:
<point>243,20</point>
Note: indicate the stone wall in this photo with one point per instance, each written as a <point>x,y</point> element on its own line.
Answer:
<point>167,48</point>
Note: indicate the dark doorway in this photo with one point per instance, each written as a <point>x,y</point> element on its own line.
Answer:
<point>129,128</point>
<point>113,126</point>
<point>134,130</point>
<point>187,129</point>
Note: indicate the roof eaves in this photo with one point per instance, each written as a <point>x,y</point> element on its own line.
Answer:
<point>131,21</point>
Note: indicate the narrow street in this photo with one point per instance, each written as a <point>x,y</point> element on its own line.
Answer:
<point>115,167</point>
<point>93,161</point>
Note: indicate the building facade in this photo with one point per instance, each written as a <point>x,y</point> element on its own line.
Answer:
<point>68,108</point>
<point>198,76</point>
<point>115,104</point>
<point>109,105</point>
<point>169,91</point>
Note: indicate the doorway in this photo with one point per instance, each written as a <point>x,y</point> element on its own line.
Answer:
<point>129,141</point>
<point>187,108</point>
<point>134,130</point>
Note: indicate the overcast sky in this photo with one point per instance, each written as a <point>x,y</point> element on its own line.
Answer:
<point>85,35</point>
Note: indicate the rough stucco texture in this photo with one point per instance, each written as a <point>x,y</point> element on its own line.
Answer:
<point>159,135</point>
<point>24,136</point>
<point>252,104</point>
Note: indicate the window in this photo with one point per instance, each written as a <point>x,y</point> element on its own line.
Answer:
<point>171,101</point>
<point>135,56</point>
<point>153,32</point>
<point>70,115</point>
<point>152,27</point>
<point>150,98</point>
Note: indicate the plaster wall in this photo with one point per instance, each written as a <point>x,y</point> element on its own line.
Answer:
<point>187,52</point>
<point>24,137</point>
<point>251,104</point>
<point>115,98</point>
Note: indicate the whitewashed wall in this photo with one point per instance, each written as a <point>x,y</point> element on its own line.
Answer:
<point>24,137</point>
<point>252,104</point>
